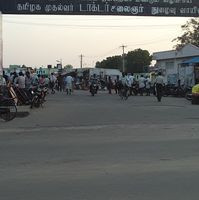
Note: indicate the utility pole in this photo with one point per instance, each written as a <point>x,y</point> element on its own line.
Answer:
<point>81,61</point>
<point>123,60</point>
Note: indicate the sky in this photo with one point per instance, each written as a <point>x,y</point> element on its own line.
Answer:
<point>41,40</point>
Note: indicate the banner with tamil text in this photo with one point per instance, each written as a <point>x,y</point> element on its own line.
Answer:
<point>186,8</point>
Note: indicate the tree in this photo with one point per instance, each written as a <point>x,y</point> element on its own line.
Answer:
<point>114,62</point>
<point>138,61</point>
<point>135,61</point>
<point>190,35</point>
<point>69,66</point>
<point>23,66</point>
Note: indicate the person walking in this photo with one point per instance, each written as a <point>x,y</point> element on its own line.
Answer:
<point>124,86</point>
<point>28,84</point>
<point>148,86</point>
<point>28,81</point>
<point>60,82</point>
<point>69,84</point>
<point>130,81</point>
<point>53,80</point>
<point>21,89</point>
<point>117,84</point>
<point>109,85</point>
<point>20,81</point>
<point>141,82</point>
<point>159,83</point>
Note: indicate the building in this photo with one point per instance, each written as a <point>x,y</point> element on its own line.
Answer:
<point>16,68</point>
<point>99,72</point>
<point>174,66</point>
<point>46,71</point>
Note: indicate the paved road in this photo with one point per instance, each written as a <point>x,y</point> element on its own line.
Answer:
<point>92,148</point>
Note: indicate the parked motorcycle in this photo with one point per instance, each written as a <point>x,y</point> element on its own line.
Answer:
<point>172,90</point>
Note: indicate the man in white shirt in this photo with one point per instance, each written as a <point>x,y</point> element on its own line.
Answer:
<point>21,85</point>
<point>148,86</point>
<point>52,82</point>
<point>159,83</point>
<point>130,80</point>
<point>69,84</point>
<point>141,82</point>
<point>20,81</point>
<point>124,86</point>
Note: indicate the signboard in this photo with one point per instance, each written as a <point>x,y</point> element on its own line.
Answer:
<point>186,8</point>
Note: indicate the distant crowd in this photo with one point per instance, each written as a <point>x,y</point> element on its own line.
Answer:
<point>24,82</point>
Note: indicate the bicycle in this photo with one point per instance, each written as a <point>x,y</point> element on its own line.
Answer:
<point>8,109</point>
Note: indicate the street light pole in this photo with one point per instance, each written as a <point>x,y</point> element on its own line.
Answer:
<point>123,60</point>
<point>81,61</point>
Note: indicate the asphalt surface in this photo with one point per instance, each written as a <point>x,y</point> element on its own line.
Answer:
<point>80,147</point>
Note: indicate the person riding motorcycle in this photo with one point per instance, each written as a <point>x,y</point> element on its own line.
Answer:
<point>94,85</point>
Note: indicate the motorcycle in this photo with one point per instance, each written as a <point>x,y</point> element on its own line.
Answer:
<point>93,89</point>
<point>38,97</point>
<point>188,94</point>
<point>135,89</point>
<point>175,91</point>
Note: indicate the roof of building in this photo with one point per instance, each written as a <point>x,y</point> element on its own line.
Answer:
<point>191,61</point>
<point>187,51</point>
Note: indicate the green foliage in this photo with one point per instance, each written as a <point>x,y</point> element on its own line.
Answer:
<point>190,34</point>
<point>114,62</point>
<point>135,61</point>
<point>138,61</point>
<point>69,66</point>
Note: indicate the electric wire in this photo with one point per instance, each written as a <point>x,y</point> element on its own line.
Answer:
<point>92,26</point>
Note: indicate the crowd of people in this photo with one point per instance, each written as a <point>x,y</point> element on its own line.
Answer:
<point>26,81</point>
<point>133,86</point>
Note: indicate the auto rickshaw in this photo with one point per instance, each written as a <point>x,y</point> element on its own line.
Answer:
<point>195,94</point>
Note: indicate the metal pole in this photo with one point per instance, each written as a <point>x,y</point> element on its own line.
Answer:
<point>123,60</point>
<point>81,61</point>
<point>61,65</point>
<point>123,64</point>
<point>1,50</point>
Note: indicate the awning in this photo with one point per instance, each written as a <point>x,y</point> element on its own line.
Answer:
<point>191,61</point>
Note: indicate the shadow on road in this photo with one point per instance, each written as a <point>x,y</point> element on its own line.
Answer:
<point>22,114</point>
